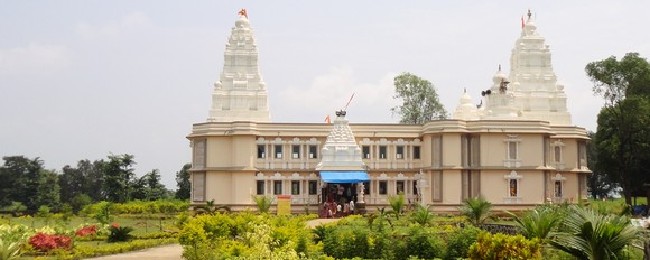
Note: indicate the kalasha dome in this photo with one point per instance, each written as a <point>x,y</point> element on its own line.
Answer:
<point>515,146</point>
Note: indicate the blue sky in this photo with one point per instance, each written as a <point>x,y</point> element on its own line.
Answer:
<point>83,79</point>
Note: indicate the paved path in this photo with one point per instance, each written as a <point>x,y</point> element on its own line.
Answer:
<point>174,251</point>
<point>166,252</point>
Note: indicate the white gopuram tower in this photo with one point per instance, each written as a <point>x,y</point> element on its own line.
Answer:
<point>341,151</point>
<point>533,82</point>
<point>240,94</point>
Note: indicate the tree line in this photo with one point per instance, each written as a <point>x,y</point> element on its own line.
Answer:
<point>26,185</point>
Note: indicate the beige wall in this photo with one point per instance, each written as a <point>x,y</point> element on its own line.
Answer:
<point>451,187</point>
<point>451,149</point>
<point>232,163</point>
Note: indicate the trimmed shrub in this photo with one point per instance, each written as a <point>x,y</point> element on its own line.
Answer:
<point>501,246</point>
<point>458,243</point>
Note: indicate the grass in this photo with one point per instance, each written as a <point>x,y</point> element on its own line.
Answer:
<point>140,225</point>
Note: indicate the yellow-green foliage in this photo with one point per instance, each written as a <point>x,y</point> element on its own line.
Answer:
<point>94,249</point>
<point>246,236</point>
<point>140,207</point>
<point>501,246</point>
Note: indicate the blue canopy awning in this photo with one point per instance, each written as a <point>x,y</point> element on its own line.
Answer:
<point>344,176</point>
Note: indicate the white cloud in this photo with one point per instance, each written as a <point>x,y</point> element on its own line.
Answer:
<point>133,21</point>
<point>34,58</point>
<point>330,92</point>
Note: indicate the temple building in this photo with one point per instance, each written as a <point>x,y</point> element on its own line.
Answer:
<point>517,148</point>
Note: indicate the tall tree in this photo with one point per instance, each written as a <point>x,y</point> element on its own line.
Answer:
<point>419,100</point>
<point>183,182</point>
<point>48,190</point>
<point>148,187</point>
<point>20,181</point>
<point>600,183</point>
<point>118,177</point>
<point>622,138</point>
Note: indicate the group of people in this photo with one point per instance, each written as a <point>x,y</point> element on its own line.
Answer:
<point>333,210</point>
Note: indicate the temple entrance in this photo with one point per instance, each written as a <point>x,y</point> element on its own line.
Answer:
<point>339,193</point>
<point>338,199</point>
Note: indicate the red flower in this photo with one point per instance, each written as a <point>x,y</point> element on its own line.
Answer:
<point>44,242</point>
<point>115,225</point>
<point>86,230</point>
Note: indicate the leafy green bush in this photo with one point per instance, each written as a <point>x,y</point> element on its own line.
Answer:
<point>119,233</point>
<point>423,244</point>
<point>458,243</point>
<point>501,246</point>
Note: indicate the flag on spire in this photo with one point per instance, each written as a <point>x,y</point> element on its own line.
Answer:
<point>327,119</point>
<point>523,24</point>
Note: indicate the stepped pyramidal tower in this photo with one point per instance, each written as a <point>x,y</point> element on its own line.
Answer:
<point>529,92</point>
<point>240,94</point>
<point>534,85</point>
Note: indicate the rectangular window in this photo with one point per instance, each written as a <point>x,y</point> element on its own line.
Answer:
<point>260,187</point>
<point>261,151</point>
<point>582,154</point>
<point>366,188</point>
<point>383,187</point>
<point>415,187</point>
<point>558,155</point>
<point>278,151</point>
<point>313,152</point>
<point>366,151</point>
<point>514,188</point>
<point>277,187</point>
<point>383,151</point>
<point>416,152</point>
<point>313,185</point>
<point>399,152</point>
<point>295,187</point>
<point>512,150</point>
<point>400,187</point>
<point>295,151</point>
<point>198,186</point>
<point>558,189</point>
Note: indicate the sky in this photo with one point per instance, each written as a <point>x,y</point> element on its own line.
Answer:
<point>85,79</point>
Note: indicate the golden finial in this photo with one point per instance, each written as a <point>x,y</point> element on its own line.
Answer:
<point>244,13</point>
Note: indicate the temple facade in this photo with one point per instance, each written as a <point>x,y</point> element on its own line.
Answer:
<point>517,149</point>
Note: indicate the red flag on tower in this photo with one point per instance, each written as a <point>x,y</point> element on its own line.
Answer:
<point>523,24</point>
<point>327,119</point>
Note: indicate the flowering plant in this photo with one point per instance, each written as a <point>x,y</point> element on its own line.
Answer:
<point>89,230</point>
<point>119,233</point>
<point>46,242</point>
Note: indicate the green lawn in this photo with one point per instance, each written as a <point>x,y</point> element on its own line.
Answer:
<point>140,224</point>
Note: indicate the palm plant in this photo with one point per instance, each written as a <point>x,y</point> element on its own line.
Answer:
<point>397,203</point>
<point>586,234</point>
<point>477,209</point>
<point>263,203</point>
<point>421,215</point>
<point>539,222</point>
